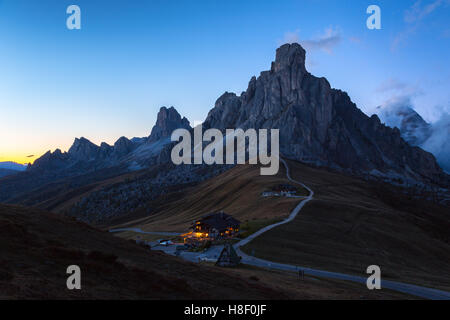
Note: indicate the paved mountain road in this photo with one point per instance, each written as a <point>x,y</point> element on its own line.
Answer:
<point>418,291</point>
<point>423,292</point>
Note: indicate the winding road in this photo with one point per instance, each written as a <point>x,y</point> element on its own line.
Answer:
<point>423,292</point>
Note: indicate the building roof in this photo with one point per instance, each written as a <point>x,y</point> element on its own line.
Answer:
<point>219,220</point>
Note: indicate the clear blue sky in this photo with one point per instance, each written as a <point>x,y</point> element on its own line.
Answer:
<point>110,78</point>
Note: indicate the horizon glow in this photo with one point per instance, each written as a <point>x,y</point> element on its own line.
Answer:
<point>110,78</point>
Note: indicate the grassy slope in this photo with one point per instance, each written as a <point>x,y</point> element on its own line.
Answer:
<point>352,224</point>
<point>237,192</point>
<point>37,247</point>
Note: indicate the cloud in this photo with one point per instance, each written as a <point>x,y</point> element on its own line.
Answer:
<point>418,12</point>
<point>394,88</point>
<point>391,84</point>
<point>326,42</point>
<point>395,111</point>
<point>413,18</point>
<point>30,156</point>
<point>438,143</point>
<point>395,94</point>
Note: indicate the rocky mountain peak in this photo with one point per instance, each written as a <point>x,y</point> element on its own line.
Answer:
<point>83,149</point>
<point>123,146</point>
<point>321,125</point>
<point>289,55</point>
<point>168,120</point>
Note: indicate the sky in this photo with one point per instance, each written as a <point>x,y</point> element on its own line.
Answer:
<point>110,78</point>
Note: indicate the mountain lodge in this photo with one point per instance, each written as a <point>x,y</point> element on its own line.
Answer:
<point>212,227</point>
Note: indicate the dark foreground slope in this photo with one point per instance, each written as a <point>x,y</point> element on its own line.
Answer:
<point>36,248</point>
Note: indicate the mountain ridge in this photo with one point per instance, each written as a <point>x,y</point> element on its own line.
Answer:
<point>320,125</point>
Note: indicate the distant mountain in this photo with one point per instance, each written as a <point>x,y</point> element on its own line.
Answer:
<point>134,153</point>
<point>318,125</point>
<point>321,125</point>
<point>85,157</point>
<point>9,168</point>
<point>7,172</point>
<point>416,131</point>
<point>412,127</point>
<point>13,166</point>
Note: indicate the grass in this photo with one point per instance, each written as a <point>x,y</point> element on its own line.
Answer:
<point>37,247</point>
<point>313,287</point>
<point>249,227</point>
<point>236,192</point>
<point>131,235</point>
<point>352,224</point>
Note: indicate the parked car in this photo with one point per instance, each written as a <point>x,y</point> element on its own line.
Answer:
<point>165,242</point>
<point>204,258</point>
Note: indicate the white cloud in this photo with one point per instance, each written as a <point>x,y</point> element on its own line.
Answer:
<point>417,12</point>
<point>413,17</point>
<point>393,86</point>
<point>326,42</point>
<point>438,143</point>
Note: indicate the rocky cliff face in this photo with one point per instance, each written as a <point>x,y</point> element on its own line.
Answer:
<point>320,125</point>
<point>168,120</point>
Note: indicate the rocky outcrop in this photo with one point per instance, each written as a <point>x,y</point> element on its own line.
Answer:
<point>83,149</point>
<point>122,147</point>
<point>51,161</point>
<point>167,121</point>
<point>319,124</point>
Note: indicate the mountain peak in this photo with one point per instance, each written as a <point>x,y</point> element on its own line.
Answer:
<point>321,125</point>
<point>168,120</point>
<point>83,149</point>
<point>289,55</point>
